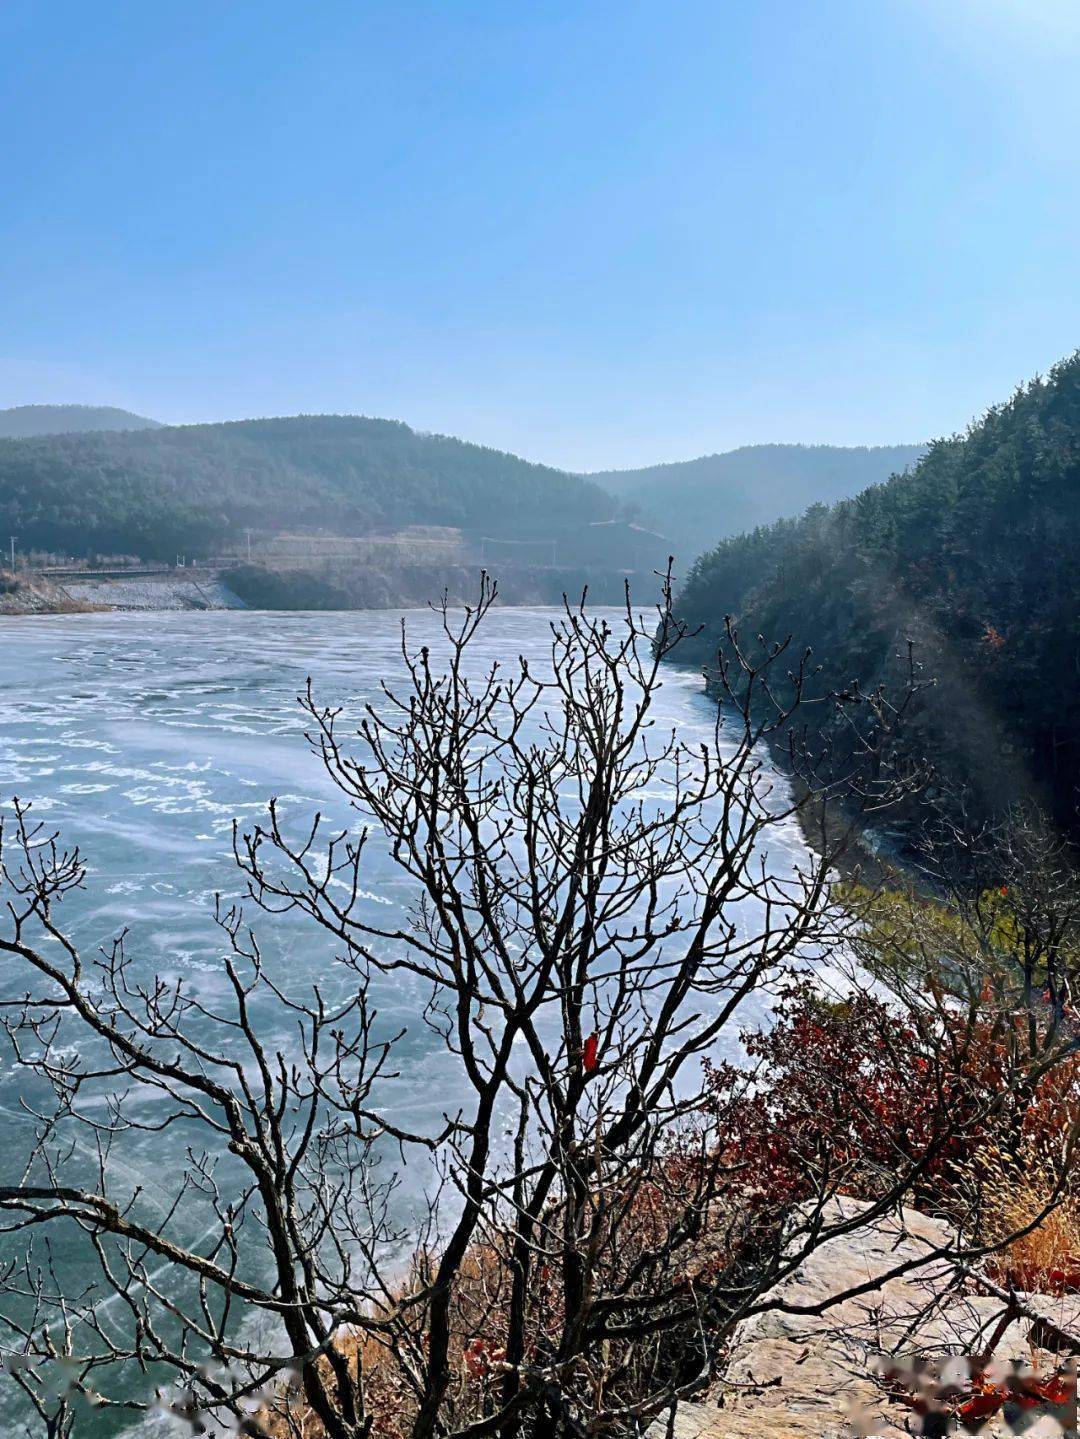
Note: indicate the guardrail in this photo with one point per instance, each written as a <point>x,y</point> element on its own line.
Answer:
<point>102,571</point>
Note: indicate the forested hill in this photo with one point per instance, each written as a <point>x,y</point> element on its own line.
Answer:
<point>24,421</point>
<point>697,502</point>
<point>195,488</point>
<point>976,555</point>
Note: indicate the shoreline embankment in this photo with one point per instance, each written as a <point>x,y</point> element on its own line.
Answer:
<point>261,587</point>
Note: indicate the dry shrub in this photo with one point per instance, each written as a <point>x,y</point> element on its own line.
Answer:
<point>289,1416</point>
<point>380,1370</point>
<point>660,1200</point>
<point>850,1080</point>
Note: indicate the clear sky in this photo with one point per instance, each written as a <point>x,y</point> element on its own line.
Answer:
<point>596,234</point>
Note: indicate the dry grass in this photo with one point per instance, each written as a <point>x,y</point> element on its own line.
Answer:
<point>289,1416</point>
<point>1012,1196</point>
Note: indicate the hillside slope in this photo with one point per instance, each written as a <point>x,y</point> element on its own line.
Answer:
<point>195,488</point>
<point>24,421</point>
<point>975,554</point>
<point>697,502</point>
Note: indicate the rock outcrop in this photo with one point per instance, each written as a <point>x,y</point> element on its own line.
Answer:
<point>794,1376</point>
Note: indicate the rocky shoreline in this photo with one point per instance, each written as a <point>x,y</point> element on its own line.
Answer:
<point>260,587</point>
<point>38,597</point>
<point>202,590</point>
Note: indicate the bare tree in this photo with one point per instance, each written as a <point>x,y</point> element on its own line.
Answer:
<point>596,904</point>
<point>1013,880</point>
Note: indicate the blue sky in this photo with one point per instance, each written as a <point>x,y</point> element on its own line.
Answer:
<point>592,233</point>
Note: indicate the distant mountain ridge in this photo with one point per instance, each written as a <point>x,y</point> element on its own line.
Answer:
<point>698,502</point>
<point>195,489</point>
<point>80,479</point>
<point>28,421</point>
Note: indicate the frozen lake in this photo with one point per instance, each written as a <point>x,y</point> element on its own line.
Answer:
<point>141,736</point>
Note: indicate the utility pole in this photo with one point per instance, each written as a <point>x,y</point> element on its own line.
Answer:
<point>13,539</point>
<point>248,534</point>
